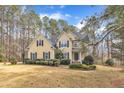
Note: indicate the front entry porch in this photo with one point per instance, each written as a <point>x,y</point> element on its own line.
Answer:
<point>76,57</point>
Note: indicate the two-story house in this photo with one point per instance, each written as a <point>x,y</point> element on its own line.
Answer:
<point>68,43</point>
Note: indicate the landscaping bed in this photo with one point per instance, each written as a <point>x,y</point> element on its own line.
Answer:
<point>52,62</point>
<point>82,66</point>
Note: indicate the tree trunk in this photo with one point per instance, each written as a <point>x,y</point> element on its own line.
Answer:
<point>102,53</point>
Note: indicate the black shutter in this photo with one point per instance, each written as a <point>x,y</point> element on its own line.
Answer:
<point>35,55</point>
<point>42,43</point>
<point>59,44</point>
<point>49,55</point>
<point>68,55</point>
<point>67,43</point>
<point>37,43</point>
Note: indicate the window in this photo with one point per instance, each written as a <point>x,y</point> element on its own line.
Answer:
<point>46,55</point>
<point>33,55</point>
<point>76,44</point>
<point>39,42</point>
<point>64,43</point>
<point>66,55</point>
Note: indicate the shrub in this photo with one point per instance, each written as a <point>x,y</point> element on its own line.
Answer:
<point>88,60</point>
<point>56,62</point>
<point>32,62</point>
<point>65,61</point>
<point>2,58</point>
<point>92,67</point>
<point>29,61</point>
<point>58,54</point>
<point>109,62</point>
<point>82,66</point>
<point>44,63</point>
<point>26,59</point>
<point>85,67</point>
<point>84,62</point>
<point>75,66</point>
<point>13,60</point>
<point>50,62</point>
<point>39,60</point>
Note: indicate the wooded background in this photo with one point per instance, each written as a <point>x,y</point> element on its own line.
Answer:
<point>19,25</point>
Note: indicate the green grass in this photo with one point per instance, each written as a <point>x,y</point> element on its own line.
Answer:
<point>44,76</point>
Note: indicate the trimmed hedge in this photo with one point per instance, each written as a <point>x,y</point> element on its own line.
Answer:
<point>73,66</point>
<point>82,66</point>
<point>51,62</point>
<point>65,62</point>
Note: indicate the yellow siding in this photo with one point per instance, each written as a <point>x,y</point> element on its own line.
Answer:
<point>63,37</point>
<point>47,47</point>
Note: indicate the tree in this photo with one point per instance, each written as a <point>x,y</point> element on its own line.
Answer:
<point>58,54</point>
<point>90,28</point>
<point>18,27</point>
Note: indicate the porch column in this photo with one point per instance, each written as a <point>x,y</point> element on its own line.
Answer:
<point>80,57</point>
<point>71,57</point>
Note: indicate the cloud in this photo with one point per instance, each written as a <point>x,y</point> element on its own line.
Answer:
<point>67,15</point>
<point>76,17</point>
<point>42,15</point>
<point>56,16</point>
<point>79,25</point>
<point>62,6</point>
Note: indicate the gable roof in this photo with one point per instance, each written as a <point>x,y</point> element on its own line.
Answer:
<point>44,38</point>
<point>81,36</point>
<point>77,35</point>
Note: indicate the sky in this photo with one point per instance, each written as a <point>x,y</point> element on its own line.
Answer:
<point>73,14</point>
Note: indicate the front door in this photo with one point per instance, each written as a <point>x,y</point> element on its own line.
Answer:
<point>76,56</point>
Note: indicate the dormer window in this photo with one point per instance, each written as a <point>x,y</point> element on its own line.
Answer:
<point>40,43</point>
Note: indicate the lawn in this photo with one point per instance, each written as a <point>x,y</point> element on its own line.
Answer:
<point>37,76</point>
